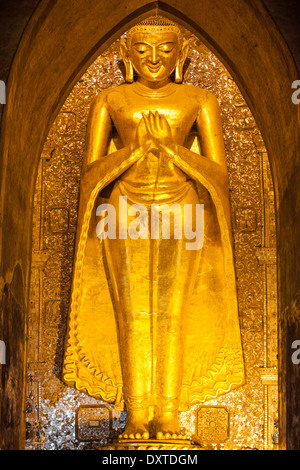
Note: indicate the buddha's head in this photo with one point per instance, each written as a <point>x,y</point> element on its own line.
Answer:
<point>154,49</point>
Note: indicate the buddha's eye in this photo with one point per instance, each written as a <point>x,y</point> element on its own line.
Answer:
<point>141,49</point>
<point>166,48</point>
<point>165,51</point>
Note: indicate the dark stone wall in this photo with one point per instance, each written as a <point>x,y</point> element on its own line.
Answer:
<point>286,15</point>
<point>13,328</point>
<point>14,15</point>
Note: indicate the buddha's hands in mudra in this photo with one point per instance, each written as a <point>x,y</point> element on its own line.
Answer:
<point>154,134</point>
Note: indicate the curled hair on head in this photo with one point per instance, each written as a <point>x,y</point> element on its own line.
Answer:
<point>154,24</point>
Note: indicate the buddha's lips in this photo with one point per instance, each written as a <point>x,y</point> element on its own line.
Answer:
<point>154,68</point>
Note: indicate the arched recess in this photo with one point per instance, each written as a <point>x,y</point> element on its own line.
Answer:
<point>57,416</point>
<point>60,41</point>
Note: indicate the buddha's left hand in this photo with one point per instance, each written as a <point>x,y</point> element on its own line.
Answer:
<point>160,132</point>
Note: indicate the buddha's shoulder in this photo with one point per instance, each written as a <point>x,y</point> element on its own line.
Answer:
<point>104,96</point>
<point>200,94</point>
<point>124,91</point>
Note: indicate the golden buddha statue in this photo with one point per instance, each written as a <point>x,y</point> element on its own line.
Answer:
<point>153,323</point>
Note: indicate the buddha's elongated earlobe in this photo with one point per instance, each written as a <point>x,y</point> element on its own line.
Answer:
<point>180,62</point>
<point>129,71</point>
<point>127,62</point>
<point>178,72</point>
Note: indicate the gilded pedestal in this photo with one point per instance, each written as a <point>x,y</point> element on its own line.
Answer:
<point>152,444</point>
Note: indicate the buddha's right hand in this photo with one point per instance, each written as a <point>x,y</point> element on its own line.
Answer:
<point>159,131</point>
<point>143,140</point>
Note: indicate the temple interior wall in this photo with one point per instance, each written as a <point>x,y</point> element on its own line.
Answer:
<point>60,41</point>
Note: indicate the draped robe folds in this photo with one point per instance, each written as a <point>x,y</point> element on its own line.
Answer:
<point>213,359</point>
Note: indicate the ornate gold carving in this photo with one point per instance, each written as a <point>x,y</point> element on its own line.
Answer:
<point>269,376</point>
<point>149,444</point>
<point>39,259</point>
<point>212,425</point>
<point>246,219</point>
<point>267,256</point>
<point>58,220</point>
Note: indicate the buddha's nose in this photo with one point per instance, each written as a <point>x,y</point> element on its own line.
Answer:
<point>154,58</point>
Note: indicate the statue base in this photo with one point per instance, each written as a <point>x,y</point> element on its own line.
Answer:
<point>152,444</point>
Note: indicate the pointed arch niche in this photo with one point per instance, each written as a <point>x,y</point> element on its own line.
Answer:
<point>59,417</point>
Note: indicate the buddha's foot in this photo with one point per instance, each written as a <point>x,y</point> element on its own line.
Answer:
<point>135,431</point>
<point>169,435</point>
<point>169,429</point>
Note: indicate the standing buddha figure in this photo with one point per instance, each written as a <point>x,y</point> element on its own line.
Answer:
<point>153,321</point>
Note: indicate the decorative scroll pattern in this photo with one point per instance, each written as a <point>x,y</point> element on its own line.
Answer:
<point>54,409</point>
<point>212,425</point>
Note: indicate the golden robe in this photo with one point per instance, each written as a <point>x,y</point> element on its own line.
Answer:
<point>213,359</point>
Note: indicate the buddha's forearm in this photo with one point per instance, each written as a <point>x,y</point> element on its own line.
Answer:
<point>194,165</point>
<point>109,167</point>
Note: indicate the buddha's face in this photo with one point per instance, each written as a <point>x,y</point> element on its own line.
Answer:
<point>154,55</point>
